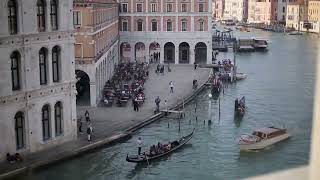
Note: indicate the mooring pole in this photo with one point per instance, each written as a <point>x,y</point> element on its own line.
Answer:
<point>219,109</point>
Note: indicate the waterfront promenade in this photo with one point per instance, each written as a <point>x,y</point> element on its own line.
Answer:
<point>110,124</point>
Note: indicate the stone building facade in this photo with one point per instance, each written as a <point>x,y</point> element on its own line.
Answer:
<point>96,47</point>
<point>166,31</point>
<point>236,10</point>
<point>37,86</point>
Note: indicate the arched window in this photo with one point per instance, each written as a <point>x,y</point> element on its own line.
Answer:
<point>12,17</point>
<point>43,66</point>
<point>46,123</point>
<point>58,118</point>
<point>54,14</point>
<point>56,63</point>
<point>41,11</point>
<point>15,70</point>
<point>19,129</point>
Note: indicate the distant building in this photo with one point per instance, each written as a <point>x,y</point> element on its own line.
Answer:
<point>96,48</point>
<point>260,11</point>
<point>37,86</point>
<point>218,9</point>
<point>313,24</point>
<point>281,11</point>
<point>236,10</point>
<point>296,15</point>
<point>175,31</point>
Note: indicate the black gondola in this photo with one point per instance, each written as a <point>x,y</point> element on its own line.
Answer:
<point>145,157</point>
<point>240,106</point>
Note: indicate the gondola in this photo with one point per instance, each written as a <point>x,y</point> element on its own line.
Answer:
<point>147,158</point>
<point>240,106</point>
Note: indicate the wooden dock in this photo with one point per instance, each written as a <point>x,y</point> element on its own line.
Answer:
<point>179,113</point>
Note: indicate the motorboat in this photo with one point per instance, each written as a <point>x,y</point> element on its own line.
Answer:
<point>261,138</point>
<point>296,33</point>
<point>240,76</point>
<point>260,44</point>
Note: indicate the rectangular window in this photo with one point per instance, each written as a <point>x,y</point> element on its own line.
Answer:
<point>124,26</point>
<point>154,25</point>
<point>183,26</point>
<point>76,18</point>
<point>139,26</point>
<point>169,25</point>
<point>124,7</point>
<point>153,7</point>
<point>183,7</point>
<point>283,9</point>
<point>201,26</point>
<point>169,7</point>
<point>139,7</point>
<point>201,9</point>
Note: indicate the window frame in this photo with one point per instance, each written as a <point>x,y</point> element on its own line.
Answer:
<point>126,27</point>
<point>152,25</point>
<point>41,15</point>
<point>78,18</point>
<point>54,15</point>
<point>15,70</point>
<point>182,27</point>
<point>58,116</point>
<point>186,7</point>
<point>124,6</point>
<point>46,123</point>
<point>43,66</point>
<point>169,7</point>
<point>139,4</point>
<point>201,25</point>
<point>20,130</point>
<point>200,7</point>
<point>12,17</point>
<point>56,59</point>
<point>138,22</point>
<point>154,7</point>
<point>171,29</point>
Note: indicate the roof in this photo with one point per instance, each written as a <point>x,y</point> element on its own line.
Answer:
<point>266,130</point>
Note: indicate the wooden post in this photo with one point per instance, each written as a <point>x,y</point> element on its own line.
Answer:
<point>219,109</point>
<point>179,125</point>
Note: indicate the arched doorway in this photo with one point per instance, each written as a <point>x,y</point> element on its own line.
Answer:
<point>139,52</point>
<point>201,53</point>
<point>125,52</point>
<point>154,50</point>
<point>169,53</point>
<point>83,88</point>
<point>184,53</point>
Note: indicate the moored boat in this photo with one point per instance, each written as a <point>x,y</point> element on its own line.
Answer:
<point>260,44</point>
<point>262,138</point>
<point>147,156</point>
<point>295,33</point>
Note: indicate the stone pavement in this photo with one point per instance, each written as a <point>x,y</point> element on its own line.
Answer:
<point>110,123</point>
<point>109,120</point>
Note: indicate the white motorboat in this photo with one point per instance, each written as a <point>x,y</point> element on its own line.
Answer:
<point>296,33</point>
<point>262,138</point>
<point>241,76</point>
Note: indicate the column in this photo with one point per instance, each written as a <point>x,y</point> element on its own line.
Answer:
<point>132,24</point>
<point>176,54</point>
<point>209,53</point>
<point>192,6</point>
<point>161,4</point>
<point>132,58</point>
<point>177,24</point>
<point>191,56</point>
<point>161,54</point>
<point>49,66</point>
<point>147,24</point>
<point>93,95</point>
<point>147,51</point>
<point>147,6</point>
<point>192,24</point>
<point>161,23</point>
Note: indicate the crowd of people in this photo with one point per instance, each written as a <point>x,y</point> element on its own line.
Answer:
<point>14,158</point>
<point>155,57</point>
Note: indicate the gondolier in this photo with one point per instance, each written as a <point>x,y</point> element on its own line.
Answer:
<point>139,142</point>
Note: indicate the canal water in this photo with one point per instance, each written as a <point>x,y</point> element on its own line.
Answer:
<point>278,91</point>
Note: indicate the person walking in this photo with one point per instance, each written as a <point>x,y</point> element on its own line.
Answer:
<point>139,143</point>
<point>80,125</point>
<point>135,104</point>
<point>171,86</point>
<point>86,114</point>
<point>195,65</point>
<point>89,132</point>
<point>157,101</point>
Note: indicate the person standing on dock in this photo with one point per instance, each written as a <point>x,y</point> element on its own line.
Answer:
<point>86,114</point>
<point>89,132</point>
<point>171,86</point>
<point>139,142</point>
<point>195,65</point>
<point>157,101</point>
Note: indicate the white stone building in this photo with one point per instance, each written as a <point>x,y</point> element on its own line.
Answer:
<point>37,85</point>
<point>235,10</point>
<point>281,11</point>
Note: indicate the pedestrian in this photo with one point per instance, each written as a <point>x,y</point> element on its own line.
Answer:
<point>195,65</point>
<point>135,104</point>
<point>157,101</point>
<point>171,86</point>
<point>140,143</point>
<point>86,114</point>
<point>89,132</point>
<point>80,125</point>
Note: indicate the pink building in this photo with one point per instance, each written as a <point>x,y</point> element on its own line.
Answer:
<point>218,9</point>
<point>178,30</point>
